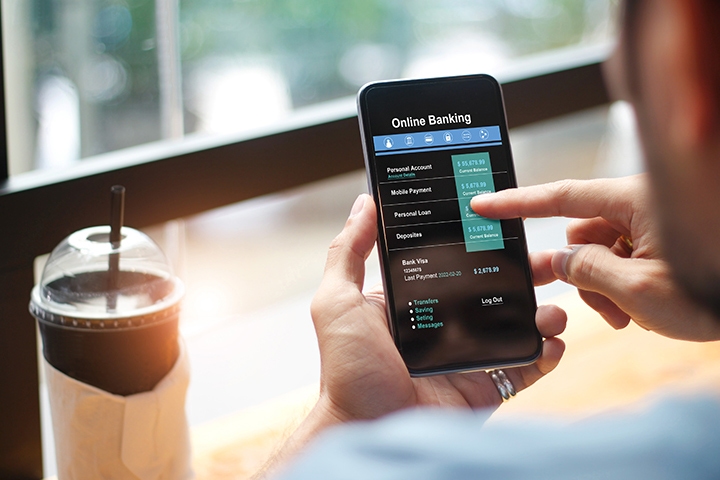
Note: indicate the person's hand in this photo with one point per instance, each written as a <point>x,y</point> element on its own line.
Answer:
<point>363,375</point>
<point>621,283</point>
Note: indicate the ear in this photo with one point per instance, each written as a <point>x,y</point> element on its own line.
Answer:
<point>688,41</point>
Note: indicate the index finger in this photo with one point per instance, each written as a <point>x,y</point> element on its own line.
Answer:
<point>607,198</point>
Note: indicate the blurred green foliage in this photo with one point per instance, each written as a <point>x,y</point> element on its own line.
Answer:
<point>306,40</point>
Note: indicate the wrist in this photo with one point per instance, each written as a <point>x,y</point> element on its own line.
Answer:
<point>322,416</point>
<point>326,413</point>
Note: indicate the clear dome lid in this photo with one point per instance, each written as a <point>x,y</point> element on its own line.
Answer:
<point>90,283</point>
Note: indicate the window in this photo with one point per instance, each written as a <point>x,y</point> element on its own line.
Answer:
<point>88,77</point>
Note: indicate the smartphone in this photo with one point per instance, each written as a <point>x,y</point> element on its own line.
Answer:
<point>458,286</point>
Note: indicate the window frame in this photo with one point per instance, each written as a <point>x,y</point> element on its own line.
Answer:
<point>38,209</point>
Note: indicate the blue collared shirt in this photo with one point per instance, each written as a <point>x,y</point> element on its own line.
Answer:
<point>677,438</point>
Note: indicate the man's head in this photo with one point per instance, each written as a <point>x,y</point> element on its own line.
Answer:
<point>668,66</point>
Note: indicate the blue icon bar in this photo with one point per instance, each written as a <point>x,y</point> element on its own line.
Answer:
<point>407,142</point>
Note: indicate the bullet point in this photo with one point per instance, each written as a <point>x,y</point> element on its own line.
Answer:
<point>409,304</point>
<point>411,310</point>
<point>412,319</point>
<point>413,327</point>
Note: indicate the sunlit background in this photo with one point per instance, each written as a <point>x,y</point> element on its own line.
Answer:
<point>92,76</point>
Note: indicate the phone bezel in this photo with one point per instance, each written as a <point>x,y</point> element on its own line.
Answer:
<point>373,188</point>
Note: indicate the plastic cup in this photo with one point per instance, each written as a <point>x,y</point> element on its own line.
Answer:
<point>114,329</point>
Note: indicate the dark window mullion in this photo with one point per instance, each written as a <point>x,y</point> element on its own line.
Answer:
<point>4,160</point>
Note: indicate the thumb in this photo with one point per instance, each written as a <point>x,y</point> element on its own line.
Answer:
<point>349,250</point>
<point>593,268</point>
<point>342,283</point>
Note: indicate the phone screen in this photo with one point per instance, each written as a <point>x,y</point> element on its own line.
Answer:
<point>458,286</point>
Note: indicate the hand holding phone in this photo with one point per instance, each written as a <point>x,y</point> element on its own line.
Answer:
<point>363,375</point>
<point>458,286</point>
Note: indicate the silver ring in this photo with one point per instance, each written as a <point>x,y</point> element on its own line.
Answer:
<point>503,384</point>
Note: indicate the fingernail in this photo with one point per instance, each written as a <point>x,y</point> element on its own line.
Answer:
<point>358,205</point>
<point>560,259</point>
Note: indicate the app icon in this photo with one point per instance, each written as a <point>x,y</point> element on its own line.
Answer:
<point>388,142</point>
<point>429,139</point>
<point>466,135</point>
<point>409,141</point>
<point>484,134</point>
<point>448,137</point>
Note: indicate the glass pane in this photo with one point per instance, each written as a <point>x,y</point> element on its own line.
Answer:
<point>87,77</point>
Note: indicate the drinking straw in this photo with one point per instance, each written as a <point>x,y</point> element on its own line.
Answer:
<point>117,213</point>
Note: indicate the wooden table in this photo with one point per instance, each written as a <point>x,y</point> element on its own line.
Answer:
<point>602,369</point>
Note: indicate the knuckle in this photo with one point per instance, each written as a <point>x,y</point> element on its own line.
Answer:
<point>574,229</point>
<point>564,191</point>
<point>328,304</point>
<point>317,306</point>
<point>639,284</point>
<point>342,249</point>
<point>320,304</point>
<point>584,266</point>
<point>336,244</point>
<point>337,251</point>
